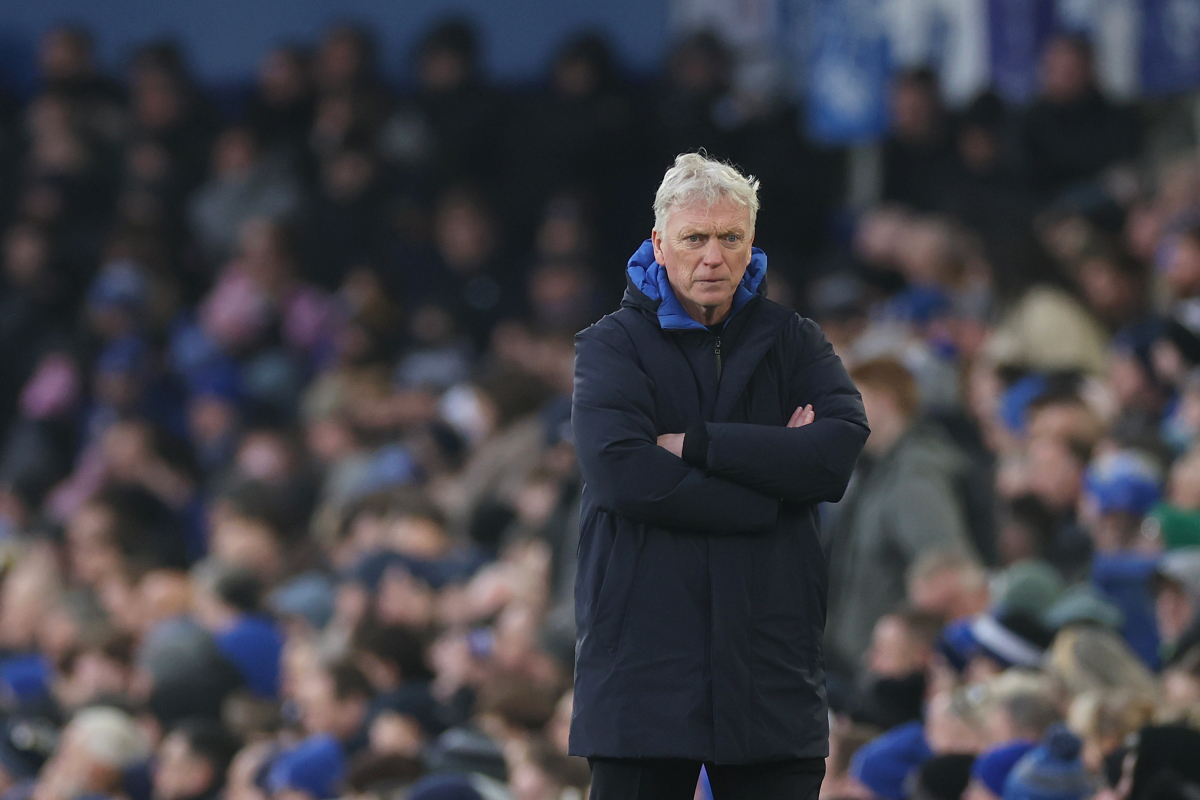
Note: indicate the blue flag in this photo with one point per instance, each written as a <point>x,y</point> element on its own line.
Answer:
<point>848,71</point>
<point>1170,45</point>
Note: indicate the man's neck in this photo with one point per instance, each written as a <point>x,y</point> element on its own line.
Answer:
<point>706,315</point>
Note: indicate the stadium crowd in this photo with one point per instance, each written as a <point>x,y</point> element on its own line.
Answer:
<point>287,490</point>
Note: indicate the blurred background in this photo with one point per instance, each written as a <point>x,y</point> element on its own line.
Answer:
<point>288,498</point>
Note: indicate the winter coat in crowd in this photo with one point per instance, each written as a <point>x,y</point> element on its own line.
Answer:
<point>901,505</point>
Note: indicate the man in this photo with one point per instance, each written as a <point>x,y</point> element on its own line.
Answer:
<point>1176,589</point>
<point>334,699</point>
<point>192,761</point>
<point>904,504</point>
<point>708,421</point>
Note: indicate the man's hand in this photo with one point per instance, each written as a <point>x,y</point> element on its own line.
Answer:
<point>672,443</point>
<point>800,417</point>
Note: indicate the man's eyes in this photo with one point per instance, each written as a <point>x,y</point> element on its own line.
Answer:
<point>731,238</point>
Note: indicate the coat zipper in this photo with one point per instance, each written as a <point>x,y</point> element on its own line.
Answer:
<point>718,352</point>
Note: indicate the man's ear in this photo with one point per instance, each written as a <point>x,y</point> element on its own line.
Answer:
<point>657,240</point>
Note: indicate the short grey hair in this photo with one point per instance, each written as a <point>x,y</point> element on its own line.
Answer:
<point>697,178</point>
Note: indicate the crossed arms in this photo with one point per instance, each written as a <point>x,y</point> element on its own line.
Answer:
<point>745,472</point>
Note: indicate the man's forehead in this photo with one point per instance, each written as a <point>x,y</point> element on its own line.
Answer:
<point>712,218</point>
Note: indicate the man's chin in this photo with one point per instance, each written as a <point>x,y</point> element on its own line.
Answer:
<point>713,301</point>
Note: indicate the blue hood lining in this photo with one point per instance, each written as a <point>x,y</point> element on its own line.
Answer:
<point>650,278</point>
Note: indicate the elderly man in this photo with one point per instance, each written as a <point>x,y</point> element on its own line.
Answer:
<point>709,421</point>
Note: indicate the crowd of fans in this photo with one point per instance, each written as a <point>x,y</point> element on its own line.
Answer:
<point>287,491</point>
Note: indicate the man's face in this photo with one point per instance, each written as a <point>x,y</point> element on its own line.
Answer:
<point>316,701</point>
<point>180,773</point>
<point>1174,611</point>
<point>894,653</point>
<point>705,250</point>
<point>1054,473</point>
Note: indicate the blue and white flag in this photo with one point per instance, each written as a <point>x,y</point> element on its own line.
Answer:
<point>1170,45</point>
<point>848,73</point>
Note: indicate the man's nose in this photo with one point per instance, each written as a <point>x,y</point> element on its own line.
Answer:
<point>713,256</point>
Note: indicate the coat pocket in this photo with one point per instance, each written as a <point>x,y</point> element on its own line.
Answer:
<point>612,599</point>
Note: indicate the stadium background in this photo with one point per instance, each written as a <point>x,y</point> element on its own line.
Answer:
<point>288,498</point>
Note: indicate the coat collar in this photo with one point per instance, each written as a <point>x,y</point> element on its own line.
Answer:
<point>648,288</point>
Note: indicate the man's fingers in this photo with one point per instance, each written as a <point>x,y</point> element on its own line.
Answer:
<point>802,416</point>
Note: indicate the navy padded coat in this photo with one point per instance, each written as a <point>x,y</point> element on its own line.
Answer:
<point>701,588</point>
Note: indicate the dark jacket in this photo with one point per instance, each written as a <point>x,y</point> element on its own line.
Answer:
<point>700,596</point>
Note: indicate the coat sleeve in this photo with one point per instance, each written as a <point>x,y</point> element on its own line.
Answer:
<point>612,417</point>
<point>798,465</point>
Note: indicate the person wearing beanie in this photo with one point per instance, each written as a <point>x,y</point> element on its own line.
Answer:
<point>1030,585</point>
<point>884,765</point>
<point>1175,586</point>
<point>1119,489</point>
<point>1051,771</point>
<point>313,770</point>
<point>1007,638</point>
<point>992,767</point>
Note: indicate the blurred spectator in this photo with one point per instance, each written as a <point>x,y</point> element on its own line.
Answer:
<point>191,762</point>
<point>902,505</point>
<point>242,187</point>
<point>1070,112</point>
<point>917,151</point>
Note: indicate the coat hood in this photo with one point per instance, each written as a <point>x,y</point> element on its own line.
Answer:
<point>649,278</point>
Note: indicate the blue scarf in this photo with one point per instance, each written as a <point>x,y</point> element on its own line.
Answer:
<point>650,278</point>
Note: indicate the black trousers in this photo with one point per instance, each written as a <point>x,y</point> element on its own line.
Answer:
<point>675,779</point>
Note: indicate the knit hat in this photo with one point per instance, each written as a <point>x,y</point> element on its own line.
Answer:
<point>1028,585</point>
<point>884,764</point>
<point>1083,605</point>
<point>1125,481</point>
<point>316,767</point>
<point>1011,638</point>
<point>1051,771</point>
<point>444,787</point>
<point>993,765</point>
<point>957,644</point>
<point>1182,567</point>
<point>411,699</point>
<point>942,777</point>
<point>465,750</point>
